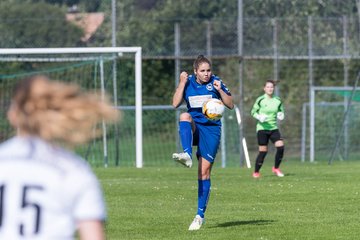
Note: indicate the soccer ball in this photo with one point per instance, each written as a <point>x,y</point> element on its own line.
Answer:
<point>213,109</point>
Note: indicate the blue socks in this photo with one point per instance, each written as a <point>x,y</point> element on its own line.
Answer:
<point>185,132</point>
<point>204,186</point>
<point>203,196</point>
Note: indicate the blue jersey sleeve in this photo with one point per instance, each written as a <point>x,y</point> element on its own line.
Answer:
<point>223,86</point>
<point>225,89</point>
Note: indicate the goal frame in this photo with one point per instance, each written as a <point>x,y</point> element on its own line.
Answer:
<point>138,79</point>
<point>312,112</point>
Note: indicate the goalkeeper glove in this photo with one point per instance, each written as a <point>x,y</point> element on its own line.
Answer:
<point>280,116</point>
<point>261,117</point>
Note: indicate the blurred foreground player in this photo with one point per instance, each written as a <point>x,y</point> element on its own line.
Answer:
<point>47,192</point>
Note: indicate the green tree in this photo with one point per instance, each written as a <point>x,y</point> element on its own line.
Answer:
<point>36,25</point>
<point>299,8</point>
<point>92,5</point>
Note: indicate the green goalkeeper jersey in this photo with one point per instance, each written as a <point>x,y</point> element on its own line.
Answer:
<point>269,106</point>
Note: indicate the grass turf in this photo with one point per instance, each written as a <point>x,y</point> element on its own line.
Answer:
<point>313,201</point>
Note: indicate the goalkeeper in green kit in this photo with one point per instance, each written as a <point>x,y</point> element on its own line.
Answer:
<point>267,110</point>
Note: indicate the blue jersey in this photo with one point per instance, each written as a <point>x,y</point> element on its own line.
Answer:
<point>196,94</point>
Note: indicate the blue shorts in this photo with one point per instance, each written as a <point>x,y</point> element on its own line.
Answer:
<point>207,138</point>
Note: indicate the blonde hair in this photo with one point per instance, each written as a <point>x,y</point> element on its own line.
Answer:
<point>58,112</point>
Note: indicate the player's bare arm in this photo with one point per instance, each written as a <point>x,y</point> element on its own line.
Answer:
<point>179,92</point>
<point>91,229</point>
<point>227,99</point>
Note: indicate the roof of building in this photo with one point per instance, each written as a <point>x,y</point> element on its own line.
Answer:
<point>89,22</point>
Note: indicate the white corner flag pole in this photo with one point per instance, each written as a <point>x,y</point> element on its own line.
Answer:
<point>246,153</point>
<point>244,145</point>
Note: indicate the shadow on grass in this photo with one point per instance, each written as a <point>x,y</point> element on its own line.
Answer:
<point>274,176</point>
<point>239,223</point>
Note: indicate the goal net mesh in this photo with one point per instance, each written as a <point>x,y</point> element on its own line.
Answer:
<point>89,71</point>
<point>335,122</point>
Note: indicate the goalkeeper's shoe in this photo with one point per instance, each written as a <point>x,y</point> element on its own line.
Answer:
<point>277,172</point>
<point>196,223</point>
<point>256,175</point>
<point>183,158</point>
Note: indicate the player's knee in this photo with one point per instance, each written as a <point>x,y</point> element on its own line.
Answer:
<point>203,176</point>
<point>263,149</point>
<point>185,117</point>
<point>279,143</point>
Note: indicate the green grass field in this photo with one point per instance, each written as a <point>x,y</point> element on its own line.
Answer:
<point>313,201</point>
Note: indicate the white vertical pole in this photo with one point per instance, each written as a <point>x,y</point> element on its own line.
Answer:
<point>138,110</point>
<point>303,132</point>
<point>208,39</point>
<point>311,91</point>
<point>114,71</point>
<point>358,12</point>
<point>177,74</point>
<point>275,49</point>
<point>346,81</point>
<point>113,23</point>
<point>103,122</point>
<point>312,124</point>
<point>241,85</point>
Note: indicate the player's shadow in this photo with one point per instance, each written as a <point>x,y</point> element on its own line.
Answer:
<point>290,174</point>
<point>239,223</point>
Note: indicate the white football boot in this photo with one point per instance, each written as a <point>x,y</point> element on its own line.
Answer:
<point>183,158</point>
<point>196,223</point>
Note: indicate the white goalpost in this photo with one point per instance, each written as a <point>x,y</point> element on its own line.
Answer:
<point>338,102</point>
<point>32,54</point>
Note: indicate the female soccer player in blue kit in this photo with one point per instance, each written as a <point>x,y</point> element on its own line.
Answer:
<point>196,129</point>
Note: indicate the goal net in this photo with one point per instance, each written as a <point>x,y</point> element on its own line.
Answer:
<point>109,69</point>
<point>334,121</point>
